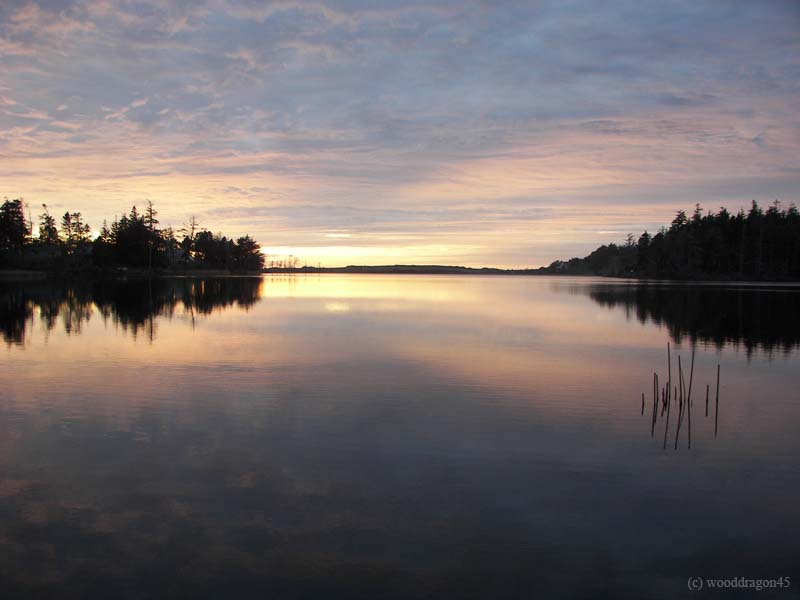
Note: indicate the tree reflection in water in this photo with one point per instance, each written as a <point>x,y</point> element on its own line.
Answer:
<point>131,304</point>
<point>755,317</point>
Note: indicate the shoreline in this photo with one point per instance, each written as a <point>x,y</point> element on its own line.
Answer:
<point>13,275</point>
<point>538,272</point>
<point>23,275</point>
<point>405,270</point>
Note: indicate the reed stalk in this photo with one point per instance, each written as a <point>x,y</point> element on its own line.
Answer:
<point>680,402</point>
<point>716,411</point>
<point>689,401</point>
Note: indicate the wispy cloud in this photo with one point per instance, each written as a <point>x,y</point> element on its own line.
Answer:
<point>510,133</point>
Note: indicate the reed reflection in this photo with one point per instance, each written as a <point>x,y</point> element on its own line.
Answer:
<point>131,304</point>
<point>762,317</point>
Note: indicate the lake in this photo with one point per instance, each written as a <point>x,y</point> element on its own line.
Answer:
<point>378,436</point>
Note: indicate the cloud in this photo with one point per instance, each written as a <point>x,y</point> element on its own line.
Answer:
<point>471,121</point>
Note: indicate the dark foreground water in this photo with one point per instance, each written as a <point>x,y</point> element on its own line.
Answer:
<point>394,436</point>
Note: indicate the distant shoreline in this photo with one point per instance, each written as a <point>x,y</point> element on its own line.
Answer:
<point>407,270</point>
<point>541,271</point>
<point>22,275</point>
<point>31,275</point>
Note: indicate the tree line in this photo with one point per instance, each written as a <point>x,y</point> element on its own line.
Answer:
<point>133,240</point>
<point>756,244</point>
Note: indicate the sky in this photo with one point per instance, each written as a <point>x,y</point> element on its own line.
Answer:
<point>471,133</point>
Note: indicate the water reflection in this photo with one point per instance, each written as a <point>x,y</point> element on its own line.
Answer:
<point>130,304</point>
<point>755,317</point>
<point>380,437</point>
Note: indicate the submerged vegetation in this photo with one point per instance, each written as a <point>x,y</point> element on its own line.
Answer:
<point>752,245</point>
<point>131,241</point>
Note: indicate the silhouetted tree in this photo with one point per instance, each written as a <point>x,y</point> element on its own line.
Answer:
<point>757,244</point>
<point>214,250</point>
<point>48,232</point>
<point>14,230</point>
<point>74,230</point>
<point>189,232</point>
<point>247,254</point>
<point>133,240</point>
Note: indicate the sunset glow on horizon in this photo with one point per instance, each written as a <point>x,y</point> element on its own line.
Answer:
<point>463,133</point>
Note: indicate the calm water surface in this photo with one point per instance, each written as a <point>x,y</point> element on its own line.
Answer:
<point>394,436</point>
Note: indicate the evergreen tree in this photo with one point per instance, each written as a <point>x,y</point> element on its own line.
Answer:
<point>756,244</point>
<point>14,230</point>
<point>48,232</point>
<point>74,230</point>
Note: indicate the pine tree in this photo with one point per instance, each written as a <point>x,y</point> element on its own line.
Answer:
<point>14,230</point>
<point>48,232</point>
